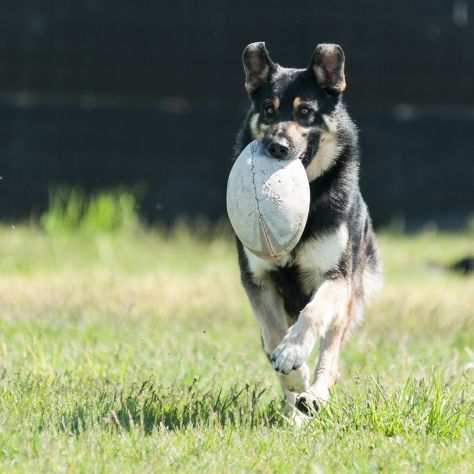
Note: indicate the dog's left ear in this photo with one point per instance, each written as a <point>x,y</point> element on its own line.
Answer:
<point>327,64</point>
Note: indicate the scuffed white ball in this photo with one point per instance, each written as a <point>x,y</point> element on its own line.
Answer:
<point>267,201</point>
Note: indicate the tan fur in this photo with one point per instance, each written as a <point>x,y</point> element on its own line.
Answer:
<point>326,155</point>
<point>295,132</point>
<point>258,130</point>
<point>296,103</point>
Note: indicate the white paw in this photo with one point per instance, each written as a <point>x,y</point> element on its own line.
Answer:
<point>293,416</point>
<point>310,402</point>
<point>298,419</point>
<point>293,351</point>
<point>288,356</point>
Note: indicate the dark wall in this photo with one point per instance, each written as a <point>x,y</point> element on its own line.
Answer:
<point>100,94</point>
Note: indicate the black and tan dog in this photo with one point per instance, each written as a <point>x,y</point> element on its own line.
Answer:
<point>319,289</point>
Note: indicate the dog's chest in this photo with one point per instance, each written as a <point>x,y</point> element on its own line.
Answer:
<point>305,270</point>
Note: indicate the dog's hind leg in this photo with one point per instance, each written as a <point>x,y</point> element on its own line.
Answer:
<point>327,370</point>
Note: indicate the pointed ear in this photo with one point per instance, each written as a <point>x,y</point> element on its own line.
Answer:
<point>327,64</point>
<point>258,66</point>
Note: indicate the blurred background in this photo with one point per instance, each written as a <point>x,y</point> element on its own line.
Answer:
<point>147,96</point>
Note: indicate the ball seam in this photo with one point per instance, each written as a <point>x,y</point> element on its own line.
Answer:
<point>263,227</point>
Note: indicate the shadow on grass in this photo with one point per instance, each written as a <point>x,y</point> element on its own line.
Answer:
<point>150,408</point>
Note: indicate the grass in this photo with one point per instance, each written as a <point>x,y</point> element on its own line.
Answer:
<point>72,211</point>
<point>136,351</point>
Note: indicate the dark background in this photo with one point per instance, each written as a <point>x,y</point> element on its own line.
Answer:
<point>102,94</point>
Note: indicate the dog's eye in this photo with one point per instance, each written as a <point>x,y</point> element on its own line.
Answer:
<point>304,111</point>
<point>269,110</point>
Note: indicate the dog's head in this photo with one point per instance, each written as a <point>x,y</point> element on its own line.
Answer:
<point>295,110</point>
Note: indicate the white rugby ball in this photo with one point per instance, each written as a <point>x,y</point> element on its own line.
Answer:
<point>267,201</point>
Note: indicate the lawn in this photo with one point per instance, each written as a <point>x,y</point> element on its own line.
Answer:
<point>136,351</point>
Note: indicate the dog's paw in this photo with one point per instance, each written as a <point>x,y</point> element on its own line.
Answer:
<point>310,403</point>
<point>288,356</point>
<point>298,419</point>
<point>293,351</point>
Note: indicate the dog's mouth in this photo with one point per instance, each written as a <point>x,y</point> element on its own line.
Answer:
<point>308,154</point>
<point>306,157</point>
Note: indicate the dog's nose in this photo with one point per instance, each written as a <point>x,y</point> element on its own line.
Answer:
<point>278,150</point>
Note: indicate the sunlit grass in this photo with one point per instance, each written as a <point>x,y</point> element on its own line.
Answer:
<point>136,351</point>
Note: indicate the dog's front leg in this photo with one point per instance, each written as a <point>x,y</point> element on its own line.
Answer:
<point>325,317</point>
<point>272,319</point>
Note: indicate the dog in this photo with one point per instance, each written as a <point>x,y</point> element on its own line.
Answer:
<point>318,290</point>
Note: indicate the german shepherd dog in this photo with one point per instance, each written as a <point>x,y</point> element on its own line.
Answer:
<point>318,290</point>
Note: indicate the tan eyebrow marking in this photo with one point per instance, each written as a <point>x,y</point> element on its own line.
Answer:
<point>297,102</point>
<point>276,103</point>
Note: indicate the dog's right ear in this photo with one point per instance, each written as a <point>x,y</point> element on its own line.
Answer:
<point>327,64</point>
<point>258,66</point>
